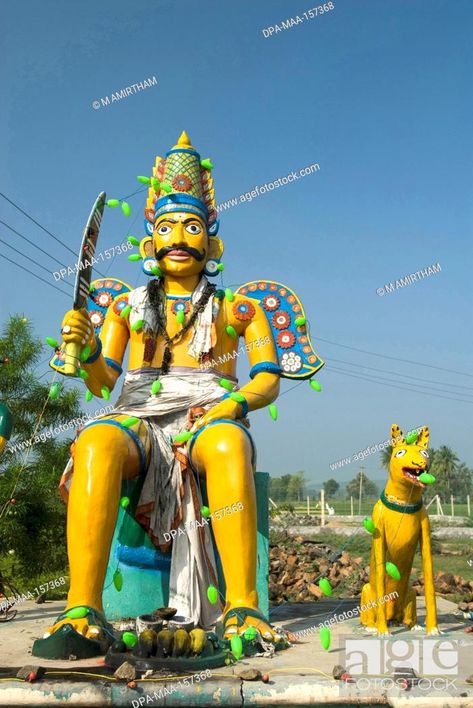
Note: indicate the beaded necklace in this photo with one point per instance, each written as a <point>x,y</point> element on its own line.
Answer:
<point>157,300</point>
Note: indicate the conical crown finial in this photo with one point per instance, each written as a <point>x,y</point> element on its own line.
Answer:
<point>184,141</point>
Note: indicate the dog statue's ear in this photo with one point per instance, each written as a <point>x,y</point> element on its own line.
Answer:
<point>423,439</point>
<point>397,436</point>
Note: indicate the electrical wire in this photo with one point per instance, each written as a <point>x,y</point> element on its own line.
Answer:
<point>395,385</point>
<point>394,373</point>
<point>68,295</point>
<point>32,243</point>
<point>394,358</point>
<point>37,223</point>
<point>38,265</point>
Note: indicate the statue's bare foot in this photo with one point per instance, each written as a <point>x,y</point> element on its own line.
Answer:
<point>82,626</point>
<point>80,631</point>
<point>244,620</point>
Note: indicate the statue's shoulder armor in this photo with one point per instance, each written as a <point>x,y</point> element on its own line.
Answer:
<point>104,293</point>
<point>289,326</point>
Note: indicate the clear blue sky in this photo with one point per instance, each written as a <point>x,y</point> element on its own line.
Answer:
<point>377,93</point>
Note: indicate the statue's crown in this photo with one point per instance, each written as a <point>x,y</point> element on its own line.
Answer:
<point>182,182</point>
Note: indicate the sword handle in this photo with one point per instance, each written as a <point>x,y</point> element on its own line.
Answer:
<point>71,361</point>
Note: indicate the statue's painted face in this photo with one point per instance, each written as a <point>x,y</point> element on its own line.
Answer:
<point>181,244</point>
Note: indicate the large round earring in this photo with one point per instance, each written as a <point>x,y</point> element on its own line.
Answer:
<point>211,268</point>
<point>149,266</point>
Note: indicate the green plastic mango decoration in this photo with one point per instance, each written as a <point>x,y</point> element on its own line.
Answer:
<point>325,586</point>
<point>128,422</point>
<point>369,525</point>
<point>183,437</point>
<point>226,384</point>
<point>85,353</point>
<point>426,478</point>
<point>273,411</point>
<point>52,342</point>
<point>156,387</point>
<point>236,646</point>
<point>118,580</point>
<point>314,384</point>
<point>238,397</point>
<point>112,203</point>
<point>325,638</point>
<point>54,391</point>
<point>77,613</point>
<point>126,209</point>
<point>411,437</point>
<point>143,179</point>
<point>134,241</point>
<point>205,511</point>
<point>250,634</point>
<point>212,594</point>
<point>130,639</point>
<point>300,321</point>
<point>231,331</point>
<point>125,502</point>
<point>393,571</point>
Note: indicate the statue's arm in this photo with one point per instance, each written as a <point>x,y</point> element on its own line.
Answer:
<point>103,365</point>
<point>263,388</point>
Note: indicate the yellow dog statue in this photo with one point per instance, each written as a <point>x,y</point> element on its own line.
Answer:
<point>400,521</point>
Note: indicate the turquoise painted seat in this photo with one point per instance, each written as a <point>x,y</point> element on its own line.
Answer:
<point>145,570</point>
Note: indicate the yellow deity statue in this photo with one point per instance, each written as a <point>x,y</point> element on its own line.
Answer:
<point>182,333</point>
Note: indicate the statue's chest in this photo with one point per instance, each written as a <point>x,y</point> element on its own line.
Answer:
<point>178,314</point>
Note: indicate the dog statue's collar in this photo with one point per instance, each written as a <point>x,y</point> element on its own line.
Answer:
<point>404,508</point>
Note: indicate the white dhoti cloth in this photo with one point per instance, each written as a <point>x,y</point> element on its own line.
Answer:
<point>170,499</point>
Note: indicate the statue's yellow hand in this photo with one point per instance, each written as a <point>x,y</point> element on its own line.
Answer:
<point>225,409</point>
<point>77,328</point>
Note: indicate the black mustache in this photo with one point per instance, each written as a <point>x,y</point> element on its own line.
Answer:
<point>188,249</point>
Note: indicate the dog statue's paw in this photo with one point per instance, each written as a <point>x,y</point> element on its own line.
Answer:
<point>383,632</point>
<point>433,632</point>
<point>417,628</point>
<point>370,630</point>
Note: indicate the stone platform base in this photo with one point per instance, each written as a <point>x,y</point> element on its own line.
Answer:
<point>301,675</point>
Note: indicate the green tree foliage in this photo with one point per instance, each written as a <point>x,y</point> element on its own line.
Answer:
<point>289,487</point>
<point>386,457</point>
<point>452,476</point>
<point>368,488</point>
<point>331,487</point>
<point>33,520</point>
<point>296,486</point>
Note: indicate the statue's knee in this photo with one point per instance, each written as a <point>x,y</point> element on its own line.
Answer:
<point>105,440</point>
<point>222,441</point>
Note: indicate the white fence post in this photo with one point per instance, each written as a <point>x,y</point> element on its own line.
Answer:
<point>351,505</point>
<point>451,505</point>
<point>308,505</point>
<point>322,507</point>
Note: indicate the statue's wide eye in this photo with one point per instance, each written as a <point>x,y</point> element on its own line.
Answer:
<point>400,453</point>
<point>193,229</point>
<point>164,230</point>
<point>424,453</point>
